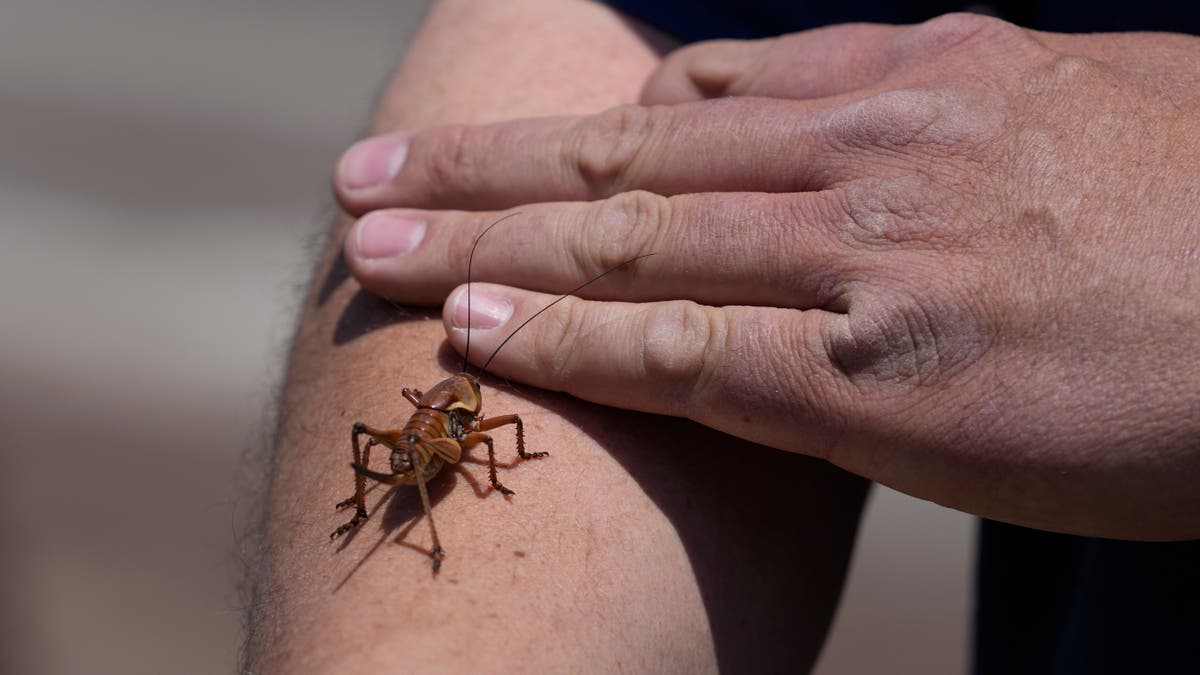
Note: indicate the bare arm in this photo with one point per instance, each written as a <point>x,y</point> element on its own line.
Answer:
<point>642,542</point>
<point>958,258</point>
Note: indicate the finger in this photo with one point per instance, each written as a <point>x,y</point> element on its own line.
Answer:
<point>762,145</point>
<point>763,374</point>
<point>790,257</point>
<point>837,60</point>
<point>811,64</point>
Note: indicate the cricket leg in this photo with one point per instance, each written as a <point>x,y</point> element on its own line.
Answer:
<point>437,553</point>
<point>478,437</point>
<point>501,420</point>
<point>361,457</point>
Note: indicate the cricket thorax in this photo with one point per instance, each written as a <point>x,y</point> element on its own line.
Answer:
<point>458,422</point>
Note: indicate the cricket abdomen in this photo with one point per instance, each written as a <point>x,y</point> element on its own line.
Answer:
<point>425,424</point>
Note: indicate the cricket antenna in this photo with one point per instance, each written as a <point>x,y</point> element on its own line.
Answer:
<point>560,298</point>
<point>470,259</point>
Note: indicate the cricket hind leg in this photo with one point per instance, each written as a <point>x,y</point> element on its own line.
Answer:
<point>437,552</point>
<point>420,478</point>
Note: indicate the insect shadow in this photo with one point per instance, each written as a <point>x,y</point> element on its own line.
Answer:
<point>402,511</point>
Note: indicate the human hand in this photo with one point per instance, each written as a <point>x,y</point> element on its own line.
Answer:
<point>960,258</point>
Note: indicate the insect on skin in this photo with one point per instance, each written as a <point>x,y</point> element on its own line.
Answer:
<point>449,418</point>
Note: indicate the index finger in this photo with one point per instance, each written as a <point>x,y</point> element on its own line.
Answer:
<point>729,145</point>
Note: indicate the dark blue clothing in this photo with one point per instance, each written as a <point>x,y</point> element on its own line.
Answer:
<point>1045,603</point>
<point>691,20</point>
<point>1054,603</point>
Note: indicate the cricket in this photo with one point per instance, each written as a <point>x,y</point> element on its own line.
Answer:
<point>448,419</point>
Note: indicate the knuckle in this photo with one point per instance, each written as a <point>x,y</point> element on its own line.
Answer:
<point>468,229</point>
<point>1072,72</point>
<point>920,123</point>
<point>618,229</point>
<point>909,337</point>
<point>558,339</point>
<point>719,67</point>
<point>894,119</point>
<point>454,159</point>
<point>605,147</point>
<point>954,31</point>
<point>681,345</point>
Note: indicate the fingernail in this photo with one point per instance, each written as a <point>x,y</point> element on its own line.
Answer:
<point>372,162</point>
<point>487,311</point>
<point>386,235</point>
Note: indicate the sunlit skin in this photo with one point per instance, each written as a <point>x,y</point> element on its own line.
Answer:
<point>959,258</point>
<point>621,553</point>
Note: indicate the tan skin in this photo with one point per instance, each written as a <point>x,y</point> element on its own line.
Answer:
<point>642,543</point>
<point>959,258</point>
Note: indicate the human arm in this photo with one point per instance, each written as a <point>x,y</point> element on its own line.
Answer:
<point>961,259</point>
<point>641,543</point>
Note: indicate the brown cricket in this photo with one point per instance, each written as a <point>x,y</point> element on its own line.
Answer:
<point>449,418</point>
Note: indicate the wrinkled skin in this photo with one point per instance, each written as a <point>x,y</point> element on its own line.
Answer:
<point>959,258</point>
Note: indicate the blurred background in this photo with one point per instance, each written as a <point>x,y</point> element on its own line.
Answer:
<point>163,182</point>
